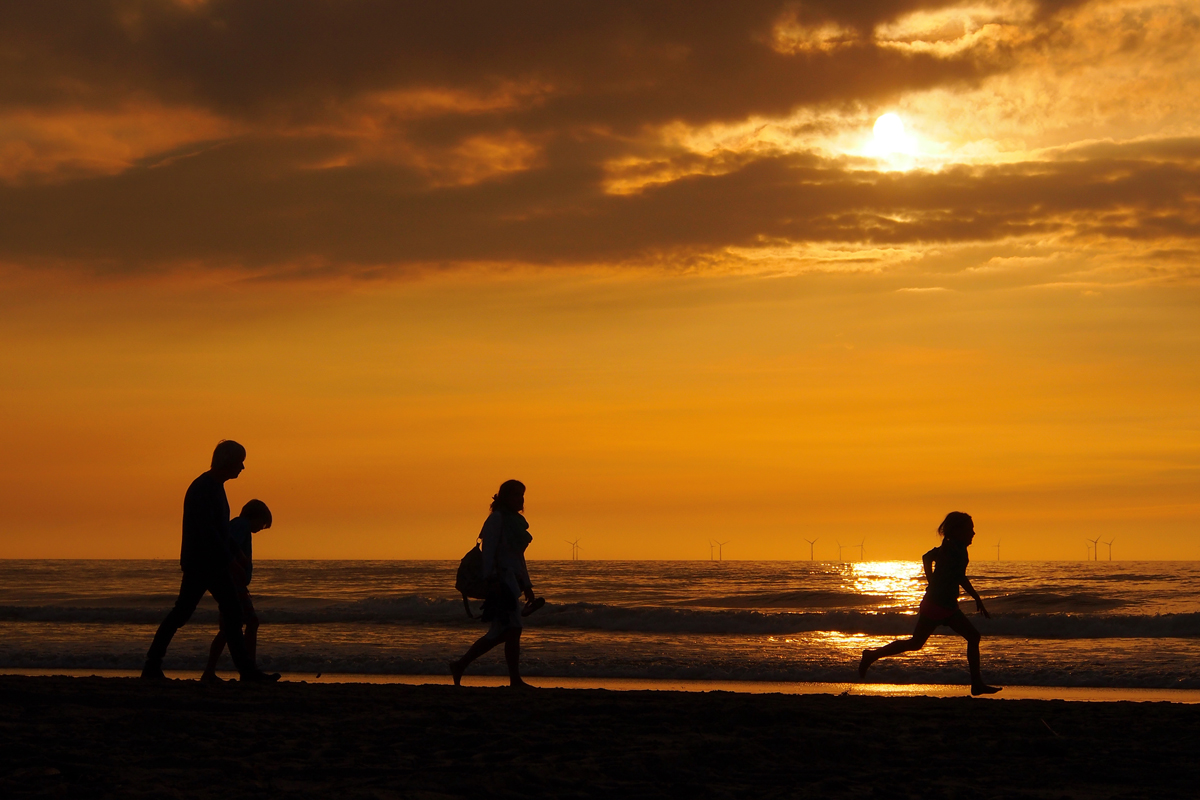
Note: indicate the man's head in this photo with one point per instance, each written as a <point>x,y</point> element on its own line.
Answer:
<point>228,460</point>
<point>257,515</point>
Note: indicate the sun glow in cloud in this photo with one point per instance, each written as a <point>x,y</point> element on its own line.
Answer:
<point>890,141</point>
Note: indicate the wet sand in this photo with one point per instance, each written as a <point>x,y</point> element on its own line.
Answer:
<point>110,737</point>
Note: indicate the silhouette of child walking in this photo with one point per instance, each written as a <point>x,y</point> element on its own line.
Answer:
<point>946,571</point>
<point>255,517</point>
<point>505,536</point>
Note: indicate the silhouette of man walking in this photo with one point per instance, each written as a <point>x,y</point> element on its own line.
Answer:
<point>207,558</point>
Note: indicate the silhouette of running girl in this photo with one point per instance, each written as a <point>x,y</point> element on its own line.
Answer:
<point>946,571</point>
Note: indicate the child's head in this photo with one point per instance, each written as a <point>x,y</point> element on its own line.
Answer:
<point>958,526</point>
<point>510,496</point>
<point>257,514</point>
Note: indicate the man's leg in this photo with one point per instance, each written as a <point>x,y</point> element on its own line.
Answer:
<point>191,589</point>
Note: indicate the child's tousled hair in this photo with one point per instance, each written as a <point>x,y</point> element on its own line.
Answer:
<point>507,490</point>
<point>257,509</point>
<point>955,523</point>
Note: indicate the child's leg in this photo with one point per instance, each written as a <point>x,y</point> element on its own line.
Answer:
<point>251,635</point>
<point>925,627</point>
<point>963,627</point>
<point>214,653</point>
<point>252,640</point>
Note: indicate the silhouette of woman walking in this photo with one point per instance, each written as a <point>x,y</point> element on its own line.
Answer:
<point>505,536</point>
<point>946,571</point>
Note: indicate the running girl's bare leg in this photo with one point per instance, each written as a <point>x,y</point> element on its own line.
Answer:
<point>963,627</point>
<point>921,633</point>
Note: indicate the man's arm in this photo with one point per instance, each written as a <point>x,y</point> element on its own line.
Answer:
<point>223,547</point>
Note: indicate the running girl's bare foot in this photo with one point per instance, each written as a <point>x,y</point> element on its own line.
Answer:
<point>867,660</point>
<point>211,677</point>
<point>520,684</point>
<point>983,688</point>
<point>456,672</point>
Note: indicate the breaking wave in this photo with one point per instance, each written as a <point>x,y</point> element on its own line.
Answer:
<point>1031,615</point>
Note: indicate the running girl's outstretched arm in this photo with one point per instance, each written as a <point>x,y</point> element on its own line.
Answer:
<point>969,589</point>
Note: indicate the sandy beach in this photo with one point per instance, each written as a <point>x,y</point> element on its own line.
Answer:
<point>106,737</point>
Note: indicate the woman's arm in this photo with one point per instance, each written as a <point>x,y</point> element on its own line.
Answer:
<point>969,589</point>
<point>490,536</point>
<point>523,578</point>
<point>927,560</point>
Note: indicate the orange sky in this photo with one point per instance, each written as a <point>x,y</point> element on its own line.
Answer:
<point>647,258</point>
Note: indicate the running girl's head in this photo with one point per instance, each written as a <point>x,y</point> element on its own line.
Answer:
<point>511,496</point>
<point>958,526</point>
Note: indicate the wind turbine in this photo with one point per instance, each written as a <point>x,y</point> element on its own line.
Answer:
<point>1109,543</point>
<point>841,547</point>
<point>811,542</point>
<point>1088,543</point>
<point>860,549</point>
<point>711,545</point>
<point>997,546</point>
<point>721,550</point>
<point>1095,548</point>
<point>574,549</point>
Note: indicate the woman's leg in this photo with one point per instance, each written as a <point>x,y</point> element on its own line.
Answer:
<point>481,646</point>
<point>963,627</point>
<point>921,633</point>
<point>512,654</point>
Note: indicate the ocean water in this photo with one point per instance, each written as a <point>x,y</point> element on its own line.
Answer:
<point>1088,624</point>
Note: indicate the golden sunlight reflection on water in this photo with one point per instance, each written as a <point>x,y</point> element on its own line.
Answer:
<point>900,582</point>
<point>851,644</point>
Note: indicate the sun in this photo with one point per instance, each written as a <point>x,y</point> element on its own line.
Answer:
<point>890,137</point>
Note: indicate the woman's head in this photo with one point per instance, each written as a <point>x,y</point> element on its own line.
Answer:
<point>958,526</point>
<point>511,496</point>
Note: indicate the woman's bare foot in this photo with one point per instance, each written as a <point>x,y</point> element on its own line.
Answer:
<point>520,684</point>
<point>865,664</point>
<point>983,688</point>
<point>211,677</point>
<point>456,671</point>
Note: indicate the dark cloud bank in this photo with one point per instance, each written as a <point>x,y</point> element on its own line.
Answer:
<point>314,173</point>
